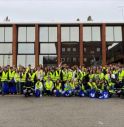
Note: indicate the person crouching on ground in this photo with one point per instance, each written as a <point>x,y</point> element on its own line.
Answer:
<point>48,87</point>
<point>67,89</point>
<point>38,88</point>
<point>58,88</point>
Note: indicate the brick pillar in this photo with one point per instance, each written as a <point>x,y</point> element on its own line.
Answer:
<point>14,46</point>
<point>37,45</point>
<point>103,38</point>
<point>59,44</point>
<point>81,44</point>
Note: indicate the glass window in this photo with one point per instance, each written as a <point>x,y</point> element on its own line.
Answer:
<point>43,34</point>
<point>118,33</point>
<point>114,52</point>
<point>1,34</point>
<point>8,34</point>
<point>22,34</point>
<point>26,48</point>
<point>5,48</point>
<point>5,34</point>
<point>30,34</point>
<point>113,33</point>
<point>5,60</point>
<point>85,59</point>
<point>25,60</point>
<point>26,34</point>
<point>52,34</point>
<point>68,49</point>
<point>96,34</point>
<point>74,59</point>
<point>74,49</point>
<point>63,59</point>
<point>92,52</point>
<point>65,34</point>
<point>68,59</point>
<point>70,34</point>
<point>87,33</point>
<point>48,59</point>
<point>63,49</point>
<point>48,48</point>
<point>74,33</point>
<point>112,45</point>
<point>48,34</point>
<point>109,34</point>
<point>98,49</point>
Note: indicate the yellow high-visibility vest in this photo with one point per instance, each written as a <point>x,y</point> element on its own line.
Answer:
<point>49,85</point>
<point>4,76</point>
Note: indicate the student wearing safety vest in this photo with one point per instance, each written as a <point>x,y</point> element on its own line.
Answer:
<point>69,74</point>
<point>11,81</point>
<point>22,79</point>
<point>58,88</point>
<point>57,74</point>
<point>67,89</point>
<point>101,92</point>
<point>17,81</point>
<point>109,81</point>
<point>38,88</point>
<point>81,91</point>
<point>74,84</point>
<point>0,80</point>
<point>4,80</point>
<point>33,78</point>
<point>40,74</point>
<point>48,86</point>
<point>28,88</point>
<point>91,88</point>
<point>64,77</point>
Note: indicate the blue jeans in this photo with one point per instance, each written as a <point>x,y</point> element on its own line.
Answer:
<point>5,87</point>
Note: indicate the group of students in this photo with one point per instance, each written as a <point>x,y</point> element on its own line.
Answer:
<point>94,82</point>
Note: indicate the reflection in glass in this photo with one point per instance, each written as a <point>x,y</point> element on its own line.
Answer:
<point>92,54</point>
<point>114,44</point>
<point>114,52</point>
<point>47,60</point>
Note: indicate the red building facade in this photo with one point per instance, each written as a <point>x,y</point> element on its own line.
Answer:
<point>72,43</point>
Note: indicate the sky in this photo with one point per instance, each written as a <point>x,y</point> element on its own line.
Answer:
<point>62,10</point>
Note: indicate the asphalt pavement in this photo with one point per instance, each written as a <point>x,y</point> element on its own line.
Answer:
<point>18,111</point>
